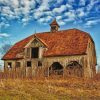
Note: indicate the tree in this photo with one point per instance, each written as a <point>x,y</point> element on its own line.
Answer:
<point>5,45</point>
<point>4,48</point>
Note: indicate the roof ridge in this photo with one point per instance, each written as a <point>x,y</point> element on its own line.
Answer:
<point>53,33</point>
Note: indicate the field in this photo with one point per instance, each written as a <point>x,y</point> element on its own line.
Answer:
<point>50,89</point>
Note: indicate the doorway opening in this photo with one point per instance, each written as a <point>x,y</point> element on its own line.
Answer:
<point>56,69</point>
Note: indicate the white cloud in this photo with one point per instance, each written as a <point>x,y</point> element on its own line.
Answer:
<point>6,11</point>
<point>17,7</point>
<point>97,9</point>
<point>69,6</point>
<point>48,18</point>
<point>69,19</point>
<point>4,25</point>
<point>41,20</point>
<point>48,13</point>
<point>25,20</point>
<point>44,20</point>
<point>90,23</point>
<point>60,9</point>
<point>81,12</point>
<point>59,17</point>
<point>15,3</point>
<point>14,9</point>
<point>82,2</point>
<point>37,14</point>
<point>71,1</point>
<point>59,1</point>
<point>25,10</point>
<point>70,14</point>
<point>28,4</point>
<point>4,35</point>
<point>4,2</point>
<point>44,6</point>
<point>43,9</point>
<point>61,22</point>
<point>91,4</point>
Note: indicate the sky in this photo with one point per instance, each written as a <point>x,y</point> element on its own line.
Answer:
<point>21,18</point>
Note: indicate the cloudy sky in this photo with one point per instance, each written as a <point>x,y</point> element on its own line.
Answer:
<point>21,18</point>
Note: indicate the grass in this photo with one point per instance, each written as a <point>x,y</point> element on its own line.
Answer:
<point>49,89</point>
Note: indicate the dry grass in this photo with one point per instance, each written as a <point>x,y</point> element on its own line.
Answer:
<point>49,89</point>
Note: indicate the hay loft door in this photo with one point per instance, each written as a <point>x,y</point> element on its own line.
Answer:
<point>35,52</point>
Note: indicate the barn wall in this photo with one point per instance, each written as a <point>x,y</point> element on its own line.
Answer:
<point>6,65</point>
<point>36,70</point>
<point>19,69</point>
<point>64,60</point>
<point>90,69</point>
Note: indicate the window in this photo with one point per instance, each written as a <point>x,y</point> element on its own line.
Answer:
<point>35,52</point>
<point>39,63</point>
<point>28,52</point>
<point>29,64</point>
<point>9,65</point>
<point>53,27</point>
<point>17,64</point>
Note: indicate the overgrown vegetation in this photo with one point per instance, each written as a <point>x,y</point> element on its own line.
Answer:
<point>50,89</point>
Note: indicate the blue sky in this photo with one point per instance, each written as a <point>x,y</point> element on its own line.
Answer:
<point>21,18</point>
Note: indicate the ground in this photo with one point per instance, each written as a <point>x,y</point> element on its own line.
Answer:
<point>49,89</point>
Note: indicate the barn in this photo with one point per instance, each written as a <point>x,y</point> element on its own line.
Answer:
<point>65,53</point>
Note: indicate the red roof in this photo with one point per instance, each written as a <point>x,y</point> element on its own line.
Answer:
<point>61,43</point>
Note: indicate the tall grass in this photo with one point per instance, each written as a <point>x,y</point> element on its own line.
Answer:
<point>49,88</point>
